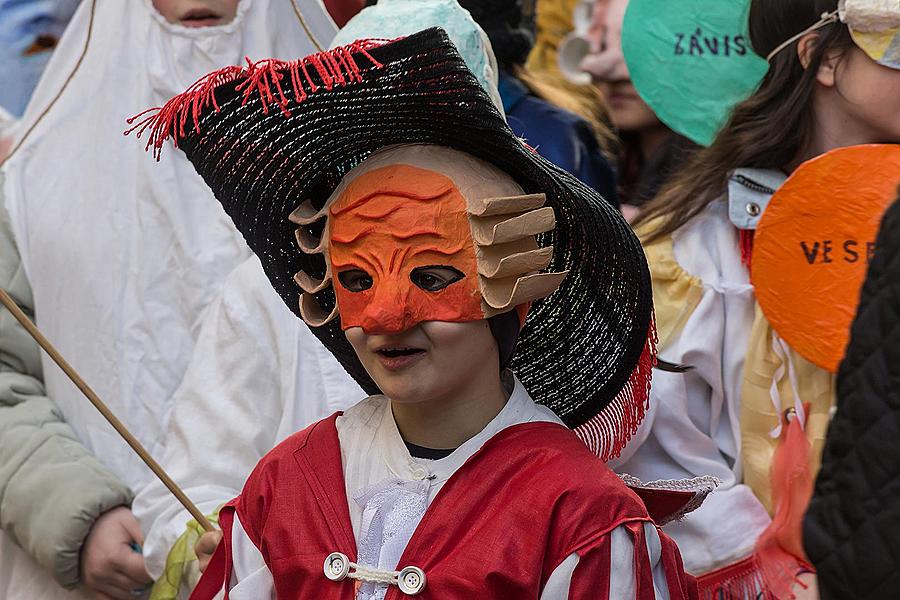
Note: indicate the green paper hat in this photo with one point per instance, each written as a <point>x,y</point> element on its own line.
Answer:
<point>691,61</point>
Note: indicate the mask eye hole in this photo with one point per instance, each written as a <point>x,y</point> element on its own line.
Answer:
<point>434,279</point>
<point>355,280</point>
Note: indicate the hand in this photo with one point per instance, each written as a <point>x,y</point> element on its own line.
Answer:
<point>205,547</point>
<point>811,591</point>
<point>109,565</point>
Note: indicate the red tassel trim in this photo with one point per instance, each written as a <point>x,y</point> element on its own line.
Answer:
<point>737,581</point>
<point>607,433</point>
<point>264,78</point>
<point>746,241</point>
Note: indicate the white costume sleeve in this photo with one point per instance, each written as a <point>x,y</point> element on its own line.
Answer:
<point>257,375</point>
<point>622,584</point>
<point>694,427</point>
<point>250,577</point>
<point>252,580</point>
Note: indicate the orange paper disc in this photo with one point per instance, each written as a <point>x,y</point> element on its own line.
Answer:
<point>814,243</point>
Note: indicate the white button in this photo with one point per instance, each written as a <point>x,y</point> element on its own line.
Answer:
<point>419,473</point>
<point>337,565</point>
<point>411,580</point>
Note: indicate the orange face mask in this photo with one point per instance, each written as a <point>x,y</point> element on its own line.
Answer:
<point>401,252</point>
<point>425,233</point>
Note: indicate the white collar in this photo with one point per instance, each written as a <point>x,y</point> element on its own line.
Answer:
<point>375,413</point>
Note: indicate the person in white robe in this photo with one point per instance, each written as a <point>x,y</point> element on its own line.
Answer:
<point>119,259</point>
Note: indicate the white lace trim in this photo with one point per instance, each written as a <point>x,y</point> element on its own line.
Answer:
<point>701,487</point>
<point>696,484</point>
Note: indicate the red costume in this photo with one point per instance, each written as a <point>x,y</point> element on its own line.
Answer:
<point>486,535</point>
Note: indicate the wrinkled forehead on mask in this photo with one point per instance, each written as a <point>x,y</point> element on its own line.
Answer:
<point>457,198</point>
<point>474,178</point>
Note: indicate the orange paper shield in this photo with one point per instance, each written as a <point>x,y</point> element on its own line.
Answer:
<point>814,243</point>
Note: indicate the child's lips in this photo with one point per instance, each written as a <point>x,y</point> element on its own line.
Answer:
<point>200,17</point>
<point>397,359</point>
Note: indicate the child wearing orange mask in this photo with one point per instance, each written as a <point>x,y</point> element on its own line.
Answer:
<point>418,216</point>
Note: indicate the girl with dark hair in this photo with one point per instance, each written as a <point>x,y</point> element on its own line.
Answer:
<point>715,416</point>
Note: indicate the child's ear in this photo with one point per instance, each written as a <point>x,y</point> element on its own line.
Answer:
<point>828,67</point>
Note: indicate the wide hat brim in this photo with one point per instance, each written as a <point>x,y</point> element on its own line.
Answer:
<point>264,146</point>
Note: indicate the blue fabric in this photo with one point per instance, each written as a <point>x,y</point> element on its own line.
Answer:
<point>21,22</point>
<point>562,137</point>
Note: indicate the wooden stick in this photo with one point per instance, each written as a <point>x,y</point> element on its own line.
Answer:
<point>132,441</point>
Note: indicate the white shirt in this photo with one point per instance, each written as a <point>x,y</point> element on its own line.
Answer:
<point>693,428</point>
<point>389,491</point>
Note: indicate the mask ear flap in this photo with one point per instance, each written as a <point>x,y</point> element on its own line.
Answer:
<point>308,243</point>
<point>305,215</point>
<point>313,314</point>
<point>311,285</point>
<point>506,205</point>
<point>509,259</point>
<point>515,258</point>
<point>506,294</point>
<point>502,229</point>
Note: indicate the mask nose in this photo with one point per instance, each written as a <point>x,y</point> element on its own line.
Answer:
<point>387,314</point>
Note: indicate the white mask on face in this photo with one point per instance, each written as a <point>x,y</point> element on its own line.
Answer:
<point>870,16</point>
<point>874,26</point>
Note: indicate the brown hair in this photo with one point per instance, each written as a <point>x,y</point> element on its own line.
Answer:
<point>769,130</point>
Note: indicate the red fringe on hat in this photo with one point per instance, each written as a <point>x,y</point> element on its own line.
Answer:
<point>262,78</point>
<point>607,433</point>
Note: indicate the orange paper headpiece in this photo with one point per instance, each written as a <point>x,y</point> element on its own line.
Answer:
<point>813,245</point>
<point>426,233</point>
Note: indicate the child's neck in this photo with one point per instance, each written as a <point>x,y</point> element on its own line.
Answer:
<point>453,418</point>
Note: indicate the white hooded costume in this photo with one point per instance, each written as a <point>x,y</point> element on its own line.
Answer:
<point>124,254</point>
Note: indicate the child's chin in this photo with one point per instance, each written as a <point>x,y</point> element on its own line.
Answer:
<point>406,389</point>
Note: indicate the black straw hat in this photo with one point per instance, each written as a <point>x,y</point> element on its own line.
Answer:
<point>268,136</point>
